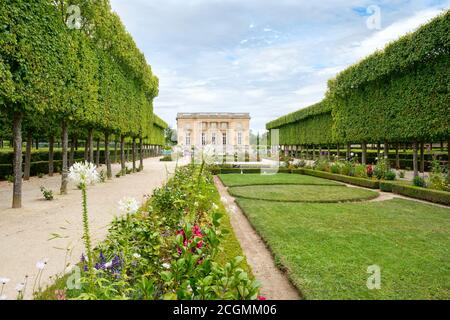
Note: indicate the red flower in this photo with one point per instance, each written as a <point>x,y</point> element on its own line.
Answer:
<point>261,298</point>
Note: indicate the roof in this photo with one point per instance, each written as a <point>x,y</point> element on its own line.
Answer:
<point>213,115</point>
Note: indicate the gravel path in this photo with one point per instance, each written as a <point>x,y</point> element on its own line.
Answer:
<point>25,233</point>
<point>274,283</point>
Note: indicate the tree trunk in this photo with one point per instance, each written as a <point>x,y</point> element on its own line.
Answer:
<point>26,173</point>
<point>37,144</point>
<point>86,150</point>
<point>91,145</point>
<point>141,155</point>
<point>422,157</point>
<point>73,145</point>
<point>386,149</point>
<point>349,151</point>
<point>115,151</point>
<point>17,161</point>
<point>448,153</point>
<point>122,155</point>
<point>133,154</point>
<point>64,169</point>
<point>378,150</point>
<point>337,151</point>
<point>107,159</point>
<point>320,152</point>
<point>364,153</point>
<point>97,155</point>
<point>415,156</point>
<point>397,157</point>
<point>51,144</point>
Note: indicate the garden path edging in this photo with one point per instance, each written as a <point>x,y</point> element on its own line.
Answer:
<point>275,285</point>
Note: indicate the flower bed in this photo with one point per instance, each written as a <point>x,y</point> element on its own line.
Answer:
<point>171,248</point>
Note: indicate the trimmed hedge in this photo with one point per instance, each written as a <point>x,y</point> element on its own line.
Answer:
<point>435,196</point>
<point>398,94</point>
<point>312,125</point>
<point>371,184</point>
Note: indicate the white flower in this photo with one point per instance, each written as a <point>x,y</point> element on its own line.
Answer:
<point>69,268</point>
<point>41,264</point>
<point>128,206</point>
<point>4,280</point>
<point>108,265</point>
<point>136,255</point>
<point>166,265</point>
<point>215,206</point>
<point>20,287</point>
<point>84,173</point>
<point>352,154</point>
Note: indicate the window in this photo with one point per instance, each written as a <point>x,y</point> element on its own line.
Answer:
<point>224,138</point>
<point>239,138</point>
<point>203,139</point>
<point>188,138</point>
<point>213,138</point>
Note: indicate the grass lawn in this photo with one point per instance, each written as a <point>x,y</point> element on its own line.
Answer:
<point>327,248</point>
<point>233,180</point>
<point>303,193</point>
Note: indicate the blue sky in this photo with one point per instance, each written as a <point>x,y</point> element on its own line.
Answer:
<point>265,57</point>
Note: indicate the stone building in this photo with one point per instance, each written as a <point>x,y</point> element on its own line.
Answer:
<point>224,130</point>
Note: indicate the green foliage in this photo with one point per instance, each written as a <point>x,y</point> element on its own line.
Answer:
<point>47,194</point>
<point>371,184</point>
<point>436,196</point>
<point>437,179</point>
<point>399,94</point>
<point>168,249</point>
<point>418,181</point>
<point>311,125</point>
<point>93,77</point>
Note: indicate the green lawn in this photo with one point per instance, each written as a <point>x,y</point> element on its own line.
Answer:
<point>303,193</point>
<point>233,180</point>
<point>327,248</point>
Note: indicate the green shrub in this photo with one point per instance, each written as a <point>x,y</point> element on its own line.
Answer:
<point>371,184</point>
<point>390,175</point>
<point>166,158</point>
<point>435,196</point>
<point>401,174</point>
<point>47,194</point>
<point>418,181</point>
<point>360,171</point>
<point>437,179</point>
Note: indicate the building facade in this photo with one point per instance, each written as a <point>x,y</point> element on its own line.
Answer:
<point>224,130</point>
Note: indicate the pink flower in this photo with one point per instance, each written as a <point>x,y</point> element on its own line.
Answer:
<point>261,298</point>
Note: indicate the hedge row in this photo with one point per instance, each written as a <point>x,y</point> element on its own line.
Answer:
<point>396,95</point>
<point>366,183</point>
<point>312,125</point>
<point>435,196</point>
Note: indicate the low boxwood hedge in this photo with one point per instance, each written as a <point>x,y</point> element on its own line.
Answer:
<point>431,195</point>
<point>371,184</point>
